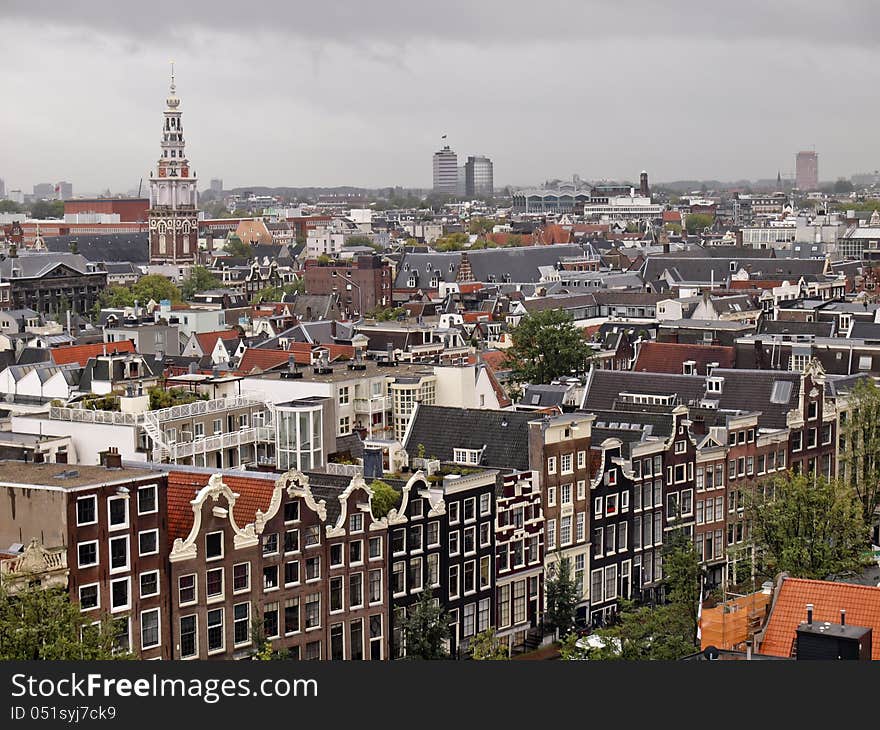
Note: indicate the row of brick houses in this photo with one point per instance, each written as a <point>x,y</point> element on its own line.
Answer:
<point>186,558</point>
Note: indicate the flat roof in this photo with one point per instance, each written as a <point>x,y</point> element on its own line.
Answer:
<point>14,473</point>
<point>341,371</point>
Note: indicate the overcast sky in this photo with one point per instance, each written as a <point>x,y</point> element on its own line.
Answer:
<point>359,92</point>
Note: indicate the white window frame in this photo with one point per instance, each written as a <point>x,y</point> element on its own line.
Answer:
<point>94,499</point>
<point>155,499</point>
<point>222,546</point>
<point>124,526</point>
<point>158,584</point>
<point>127,606</point>
<point>97,554</point>
<point>195,577</point>
<point>97,587</point>
<point>158,612</point>
<point>127,566</point>
<point>145,532</point>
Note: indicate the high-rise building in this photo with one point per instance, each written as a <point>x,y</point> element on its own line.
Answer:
<point>479,181</point>
<point>44,191</point>
<point>807,170</point>
<point>2,189</point>
<point>64,190</point>
<point>174,226</point>
<point>461,186</point>
<point>445,171</point>
<point>216,185</point>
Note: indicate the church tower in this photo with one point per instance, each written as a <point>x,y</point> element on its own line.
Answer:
<point>174,226</point>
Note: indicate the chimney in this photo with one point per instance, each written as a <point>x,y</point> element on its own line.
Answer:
<point>111,458</point>
<point>810,613</point>
<point>843,617</point>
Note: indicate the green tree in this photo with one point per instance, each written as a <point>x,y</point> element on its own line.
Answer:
<point>546,345</point>
<point>696,222</point>
<point>805,525</point>
<point>200,279</point>
<point>487,646</point>
<point>360,240</point>
<point>151,287</point>
<point>481,226</point>
<point>237,248</point>
<point>451,242</point>
<point>48,209</point>
<point>681,574</point>
<point>842,185</point>
<point>860,446</point>
<point>426,629</point>
<point>43,624</point>
<point>384,498</point>
<point>386,314</point>
<point>561,592</point>
<point>646,633</point>
<point>9,206</point>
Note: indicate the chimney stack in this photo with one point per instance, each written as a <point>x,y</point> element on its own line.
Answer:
<point>810,613</point>
<point>843,617</point>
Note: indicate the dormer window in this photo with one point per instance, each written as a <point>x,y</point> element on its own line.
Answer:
<point>713,385</point>
<point>689,367</point>
<point>467,456</point>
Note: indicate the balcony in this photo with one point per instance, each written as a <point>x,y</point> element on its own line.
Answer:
<point>372,405</point>
<point>246,436</point>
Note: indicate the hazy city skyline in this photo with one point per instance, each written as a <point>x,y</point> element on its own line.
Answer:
<point>320,96</point>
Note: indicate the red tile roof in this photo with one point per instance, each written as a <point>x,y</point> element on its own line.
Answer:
<point>469,287</point>
<point>671,216</point>
<point>208,340</point>
<point>669,357</point>
<point>755,283</point>
<point>554,233</point>
<point>862,605</point>
<point>259,361</point>
<point>183,486</point>
<point>83,353</point>
<point>495,359</point>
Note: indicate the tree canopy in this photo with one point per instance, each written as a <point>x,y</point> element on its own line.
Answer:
<point>805,525</point>
<point>451,242</point>
<point>426,629</point>
<point>860,447</point>
<point>696,222</point>
<point>384,498</point>
<point>238,248</point>
<point>47,209</point>
<point>152,286</point>
<point>200,279</point>
<point>547,345</point>
<point>487,646</point>
<point>43,624</point>
<point>562,597</point>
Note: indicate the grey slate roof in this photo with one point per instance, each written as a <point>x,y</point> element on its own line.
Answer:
<point>34,265</point>
<point>694,269</point>
<point>544,396</point>
<point>441,429</point>
<point>133,247</point>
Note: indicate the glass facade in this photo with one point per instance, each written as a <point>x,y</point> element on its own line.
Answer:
<point>299,436</point>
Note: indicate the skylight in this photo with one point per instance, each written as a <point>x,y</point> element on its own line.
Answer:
<point>781,392</point>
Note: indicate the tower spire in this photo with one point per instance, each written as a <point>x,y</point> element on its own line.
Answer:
<point>172,77</point>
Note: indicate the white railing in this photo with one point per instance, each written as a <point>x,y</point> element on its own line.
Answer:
<point>372,405</point>
<point>201,407</point>
<point>345,470</point>
<point>233,439</point>
<point>85,415</point>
